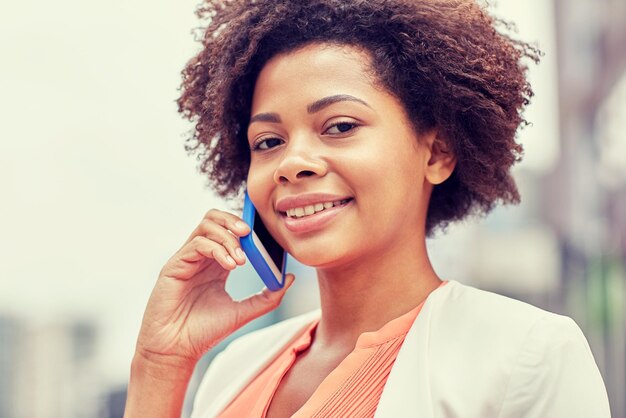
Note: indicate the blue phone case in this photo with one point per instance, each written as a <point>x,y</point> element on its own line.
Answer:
<point>258,255</point>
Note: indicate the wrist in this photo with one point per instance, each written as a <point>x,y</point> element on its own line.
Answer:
<point>162,367</point>
<point>157,388</point>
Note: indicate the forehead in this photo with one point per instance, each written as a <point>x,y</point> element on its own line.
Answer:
<point>314,71</point>
<point>321,55</point>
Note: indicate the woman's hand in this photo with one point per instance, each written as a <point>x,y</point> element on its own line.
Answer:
<point>189,311</point>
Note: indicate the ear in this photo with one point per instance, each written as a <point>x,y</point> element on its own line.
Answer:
<point>440,160</point>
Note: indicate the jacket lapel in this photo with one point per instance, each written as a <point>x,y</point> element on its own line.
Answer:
<point>233,383</point>
<point>407,392</point>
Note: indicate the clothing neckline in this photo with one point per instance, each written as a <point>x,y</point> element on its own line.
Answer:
<point>395,328</point>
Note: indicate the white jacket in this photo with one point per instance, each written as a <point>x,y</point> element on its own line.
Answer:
<point>469,354</point>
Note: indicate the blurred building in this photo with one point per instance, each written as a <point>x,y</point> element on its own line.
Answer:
<point>47,369</point>
<point>114,403</point>
<point>9,349</point>
<point>585,198</point>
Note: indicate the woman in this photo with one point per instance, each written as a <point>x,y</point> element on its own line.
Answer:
<point>359,128</point>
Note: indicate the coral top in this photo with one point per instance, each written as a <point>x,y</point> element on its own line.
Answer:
<point>352,389</point>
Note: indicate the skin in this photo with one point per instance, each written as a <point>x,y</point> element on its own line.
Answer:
<point>370,258</point>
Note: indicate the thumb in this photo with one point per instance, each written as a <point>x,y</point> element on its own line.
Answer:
<point>263,302</point>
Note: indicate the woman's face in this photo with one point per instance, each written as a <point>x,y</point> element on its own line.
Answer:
<point>336,172</point>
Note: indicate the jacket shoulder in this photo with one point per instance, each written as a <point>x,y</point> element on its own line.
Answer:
<point>485,304</point>
<point>491,328</point>
<point>507,356</point>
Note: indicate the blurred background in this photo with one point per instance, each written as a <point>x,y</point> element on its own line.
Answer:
<point>97,192</point>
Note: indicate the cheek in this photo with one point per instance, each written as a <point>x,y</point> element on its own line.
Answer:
<point>393,183</point>
<point>258,184</point>
<point>386,168</point>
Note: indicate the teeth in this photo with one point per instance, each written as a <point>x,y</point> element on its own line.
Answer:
<point>311,209</point>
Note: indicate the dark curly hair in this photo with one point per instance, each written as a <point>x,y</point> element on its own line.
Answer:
<point>445,60</point>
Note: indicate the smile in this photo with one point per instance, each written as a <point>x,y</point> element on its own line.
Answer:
<point>304,223</point>
<point>308,210</point>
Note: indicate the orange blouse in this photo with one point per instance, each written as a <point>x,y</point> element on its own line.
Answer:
<point>352,389</point>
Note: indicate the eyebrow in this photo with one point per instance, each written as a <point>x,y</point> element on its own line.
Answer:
<point>312,108</point>
<point>265,117</point>
<point>327,101</point>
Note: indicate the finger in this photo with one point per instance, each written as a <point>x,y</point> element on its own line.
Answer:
<point>210,249</point>
<point>227,220</point>
<point>199,249</point>
<point>224,237</point>
<point>263,302</point>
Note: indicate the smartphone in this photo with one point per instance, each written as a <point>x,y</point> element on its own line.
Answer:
<point>267,257</point>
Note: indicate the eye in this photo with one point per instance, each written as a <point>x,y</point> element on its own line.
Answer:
<point>266,143</point>
<point>341,128</point>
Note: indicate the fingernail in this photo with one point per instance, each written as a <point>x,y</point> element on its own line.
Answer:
<point>230,259</point>
<point>241,225</point>
<point>240,254</point>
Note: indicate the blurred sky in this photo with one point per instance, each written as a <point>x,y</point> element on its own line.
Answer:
<point>97,191</point>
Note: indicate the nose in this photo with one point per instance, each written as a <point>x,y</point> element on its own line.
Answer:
<point>299,161</point>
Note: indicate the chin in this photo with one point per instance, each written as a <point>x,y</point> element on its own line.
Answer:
<point>320,256</point>
<point>313,258</point>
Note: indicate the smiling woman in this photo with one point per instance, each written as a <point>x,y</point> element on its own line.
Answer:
<point>358,129</point>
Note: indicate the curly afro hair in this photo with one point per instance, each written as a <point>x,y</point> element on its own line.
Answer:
<point>445,60</point>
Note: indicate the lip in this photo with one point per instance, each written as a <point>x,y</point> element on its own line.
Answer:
<point>316,221</point>
<point>297,201</point>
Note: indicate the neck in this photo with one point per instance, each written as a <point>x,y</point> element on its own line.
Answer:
<point>364,295</point>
